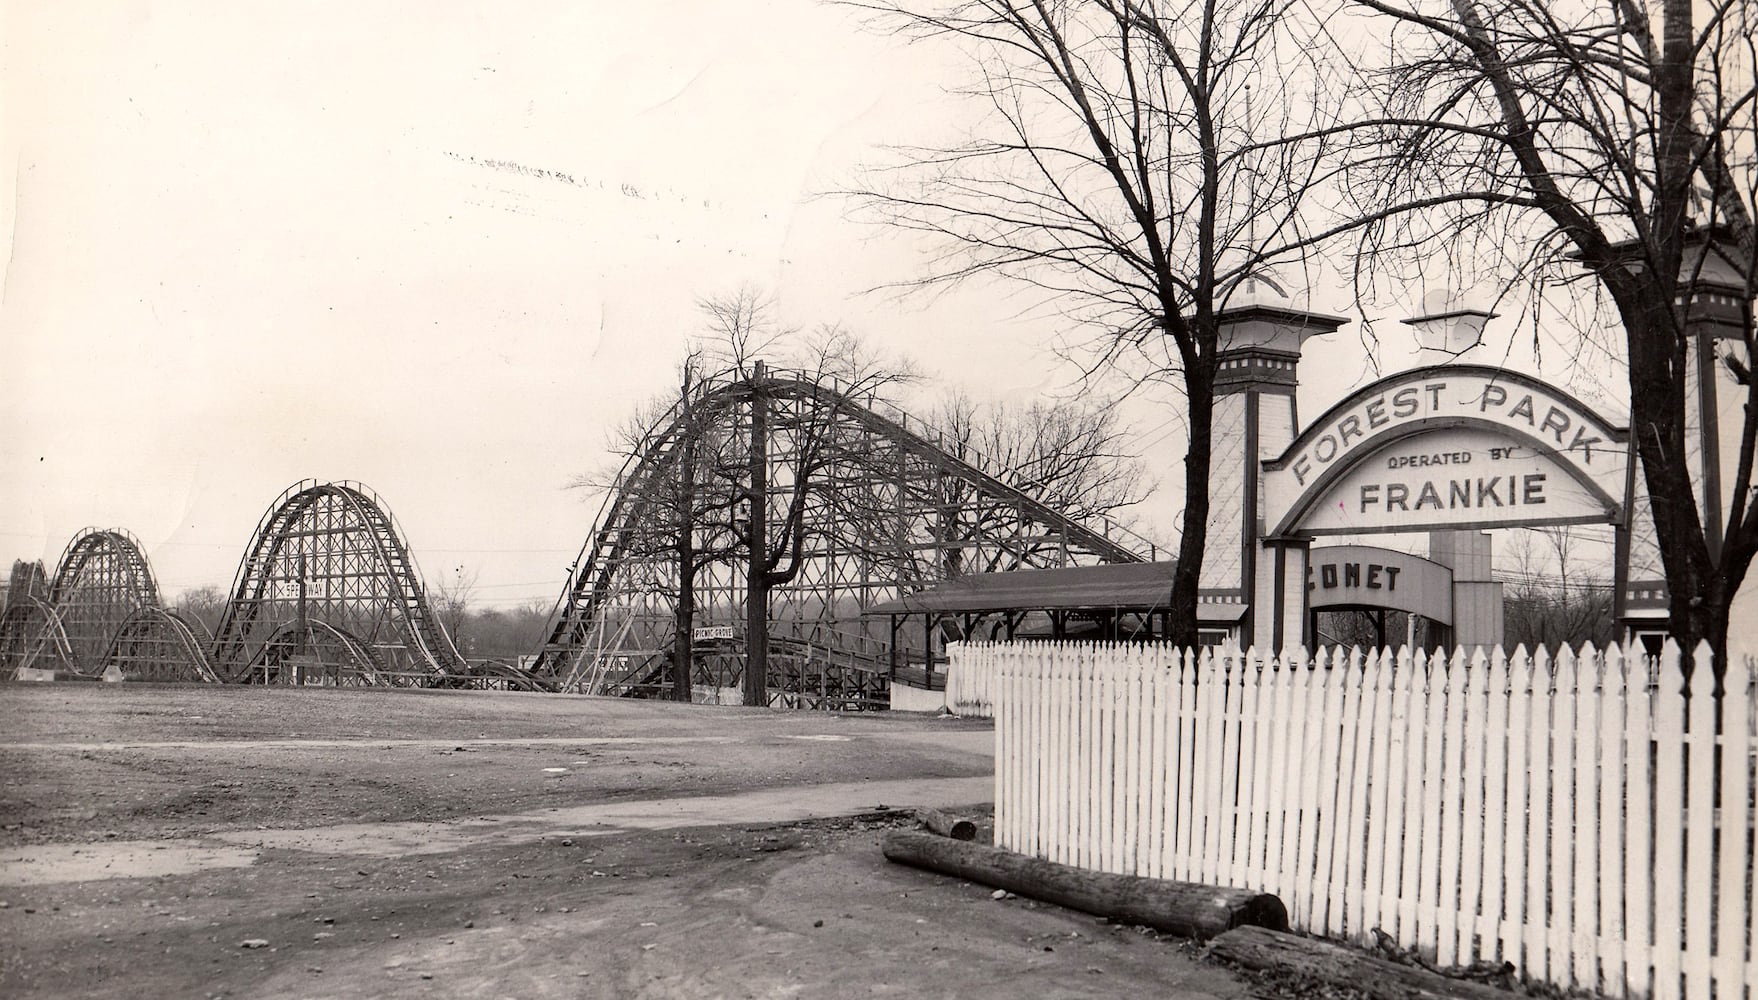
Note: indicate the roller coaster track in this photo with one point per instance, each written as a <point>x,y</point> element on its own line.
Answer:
<point>102,579</point>
<point>328,588</point>
<point>92,547</point>
<point>330,553</point>
<point>591,620</point>
<point>156,644</point>
<point>327,572</point>
<point>349,661</point>
<point>30,630</point>
<point>499,675</point>
<point>860,663</point>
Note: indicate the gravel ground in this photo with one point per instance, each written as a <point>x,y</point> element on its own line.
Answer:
<point>807,907</point>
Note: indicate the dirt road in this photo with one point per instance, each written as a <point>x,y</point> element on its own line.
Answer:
<point>452,844</point>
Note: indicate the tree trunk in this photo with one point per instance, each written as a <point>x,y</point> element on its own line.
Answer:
<point>1181,908</point>
<point>684,627</point>
<point>684,623</point>
<point>1257,948</point>
<point>1697,600</point>
<point>756,676</point>
<point>1181,621</point>
<point>1657,373</point>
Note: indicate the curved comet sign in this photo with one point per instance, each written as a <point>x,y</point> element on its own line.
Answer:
<point>1362,576</point>
<point>1448,447</point>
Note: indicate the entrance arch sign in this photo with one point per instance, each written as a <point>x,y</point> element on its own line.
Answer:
<point>1448,447</point>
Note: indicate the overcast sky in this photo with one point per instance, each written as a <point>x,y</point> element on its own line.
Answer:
<point>255,243</point>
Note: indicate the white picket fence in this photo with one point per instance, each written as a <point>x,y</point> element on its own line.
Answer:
<point>1579,817</point>
<point>971,673</point>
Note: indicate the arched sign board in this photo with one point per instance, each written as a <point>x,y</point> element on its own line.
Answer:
<point>1451,447</point>
<point>1365,576</point>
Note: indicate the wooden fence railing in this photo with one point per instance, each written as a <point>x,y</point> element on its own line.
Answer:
<point>1586,817</point>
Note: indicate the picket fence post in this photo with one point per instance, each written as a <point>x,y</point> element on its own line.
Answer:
<point>1295,765</point>
<point>1141,761</point>
<point>1276,757</point>
<point>1005,747</point>
<point>1313,781</point>
<point>1562,774</point>
<point>1450,815</point>
<point>1583,931</point>
<point>1612,757</point>
<point>1224,742</point>
<point>1381,678</point>
<point>1260,706</point>
<point>1362,672</point>
<point>1496,769</point>
<point>1639,723</point>
<point>1178,769</point>
<point>1699,820</point>
<point>1734,904</point>
<point>1426,844</point>
<point>1092,781</point>
<point>1063,830</point>
<point>1155,842</point>
<point>1333,794</point>
<point>1669,841</point>
<point>1471,845</point>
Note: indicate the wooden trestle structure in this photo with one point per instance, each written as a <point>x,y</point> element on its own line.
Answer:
<point>860,504</point>
<point>856,503</point>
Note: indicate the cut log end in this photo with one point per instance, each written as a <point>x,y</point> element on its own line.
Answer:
<point>1261,910</point>
<point>947,825</point>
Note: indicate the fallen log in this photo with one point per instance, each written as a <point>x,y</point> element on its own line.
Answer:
<point>947,825</point>
<point>1258,948</point>
<point>1182,908</point>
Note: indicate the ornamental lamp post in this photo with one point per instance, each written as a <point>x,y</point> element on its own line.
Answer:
<point>1452,322</point>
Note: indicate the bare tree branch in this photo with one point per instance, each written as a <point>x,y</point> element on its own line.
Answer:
<point>1620,134</point>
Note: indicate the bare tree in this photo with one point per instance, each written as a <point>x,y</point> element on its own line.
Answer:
<point>206,604</point>
<point>1607,143</point>
<point>452,595</point>
<point>739,328</point>
<point>506,633</point>
<point>1374,628</point>
<point>1071,456</point>
<point>1550,600</point>
<point>721,493</point>
<point>1133,168</point>
<point>779,495</point>
<point>689,494</point>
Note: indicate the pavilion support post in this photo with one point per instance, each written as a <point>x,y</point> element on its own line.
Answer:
<point>928,651</point>
<point>894,623</point>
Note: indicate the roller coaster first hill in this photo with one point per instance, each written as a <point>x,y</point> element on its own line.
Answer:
<point>328,591</point>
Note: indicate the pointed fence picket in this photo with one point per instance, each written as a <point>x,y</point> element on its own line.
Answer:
<point>1588,818</point>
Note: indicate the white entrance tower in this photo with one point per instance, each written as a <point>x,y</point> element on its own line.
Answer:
<point>1262,332</point>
